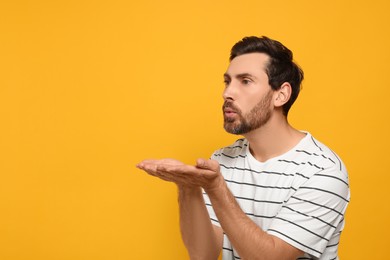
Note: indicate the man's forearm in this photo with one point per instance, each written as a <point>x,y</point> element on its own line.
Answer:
<point>197,231</point>
<point>250,241</point>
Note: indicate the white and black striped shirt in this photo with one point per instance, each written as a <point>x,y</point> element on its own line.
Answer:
<point>300,196</point>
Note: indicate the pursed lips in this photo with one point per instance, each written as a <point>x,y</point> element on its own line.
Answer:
<point>228,110</point>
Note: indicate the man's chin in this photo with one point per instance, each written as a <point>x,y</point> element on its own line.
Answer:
<point>232,129</point>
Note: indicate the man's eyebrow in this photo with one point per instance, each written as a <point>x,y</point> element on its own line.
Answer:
<point>245,75</point>
<point>239,76</point>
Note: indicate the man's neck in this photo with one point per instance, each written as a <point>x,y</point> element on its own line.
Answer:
<point>273,139</point>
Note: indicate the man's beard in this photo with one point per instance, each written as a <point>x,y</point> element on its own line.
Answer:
<point>257,117</point>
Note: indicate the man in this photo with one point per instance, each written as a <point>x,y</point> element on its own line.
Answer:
<point>278,193</point>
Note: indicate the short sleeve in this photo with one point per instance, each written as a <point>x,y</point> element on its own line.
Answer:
<point>313,216</point>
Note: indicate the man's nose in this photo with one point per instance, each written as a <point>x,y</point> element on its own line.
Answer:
<point>230,92</point>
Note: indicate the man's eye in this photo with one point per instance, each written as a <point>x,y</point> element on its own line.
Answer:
<point>246,81</point>
<point>226,82</point>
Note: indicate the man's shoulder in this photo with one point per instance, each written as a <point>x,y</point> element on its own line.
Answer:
<point>234,150</point>
<point>318,159</point>
<point>318,151</point>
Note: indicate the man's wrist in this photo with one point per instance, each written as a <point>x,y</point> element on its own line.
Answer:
<point>188,189</point>
<point>217,185</point>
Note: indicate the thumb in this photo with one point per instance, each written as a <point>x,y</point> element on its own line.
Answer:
<point>212,165</point>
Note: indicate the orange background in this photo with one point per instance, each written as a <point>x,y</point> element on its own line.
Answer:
<point>90,88</point>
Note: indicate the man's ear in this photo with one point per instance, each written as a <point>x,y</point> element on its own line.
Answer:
<point>282,95</point>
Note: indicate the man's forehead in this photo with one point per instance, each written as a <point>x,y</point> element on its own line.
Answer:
<point>252,63</point>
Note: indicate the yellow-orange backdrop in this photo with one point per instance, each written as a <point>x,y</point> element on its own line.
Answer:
<point>90,88</point>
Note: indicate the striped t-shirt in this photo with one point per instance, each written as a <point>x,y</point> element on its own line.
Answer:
<point>300,196</point>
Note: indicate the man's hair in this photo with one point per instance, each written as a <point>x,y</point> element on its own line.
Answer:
<point>280,68</point>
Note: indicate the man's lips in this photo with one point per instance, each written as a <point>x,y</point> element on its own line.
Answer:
<point>229,110</point>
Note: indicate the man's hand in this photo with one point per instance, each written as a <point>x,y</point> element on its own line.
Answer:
<point>205,174</point>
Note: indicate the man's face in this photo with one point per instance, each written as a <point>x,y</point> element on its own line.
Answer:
<point>248,96</point>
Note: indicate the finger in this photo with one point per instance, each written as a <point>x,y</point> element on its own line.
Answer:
<point>169,161</point>
<point>163,176</point>
<point>153,171</point>
<point>169,170</point>
<point>207,164</point>
<point>186,174</point>
<point>150,168</point>
<point>144,163</point>
<point>149,164</point>
<point>171,176</point>
<point>141,165</point>
<point>159,174</point>
<point>173,168</point>
<point>155,168</point>
<point>185,171</point>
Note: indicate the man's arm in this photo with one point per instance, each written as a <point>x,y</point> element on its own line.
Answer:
<point>247,238</point>
<point>199,236</point>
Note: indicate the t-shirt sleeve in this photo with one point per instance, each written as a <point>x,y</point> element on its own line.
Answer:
<point>314,213</point>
